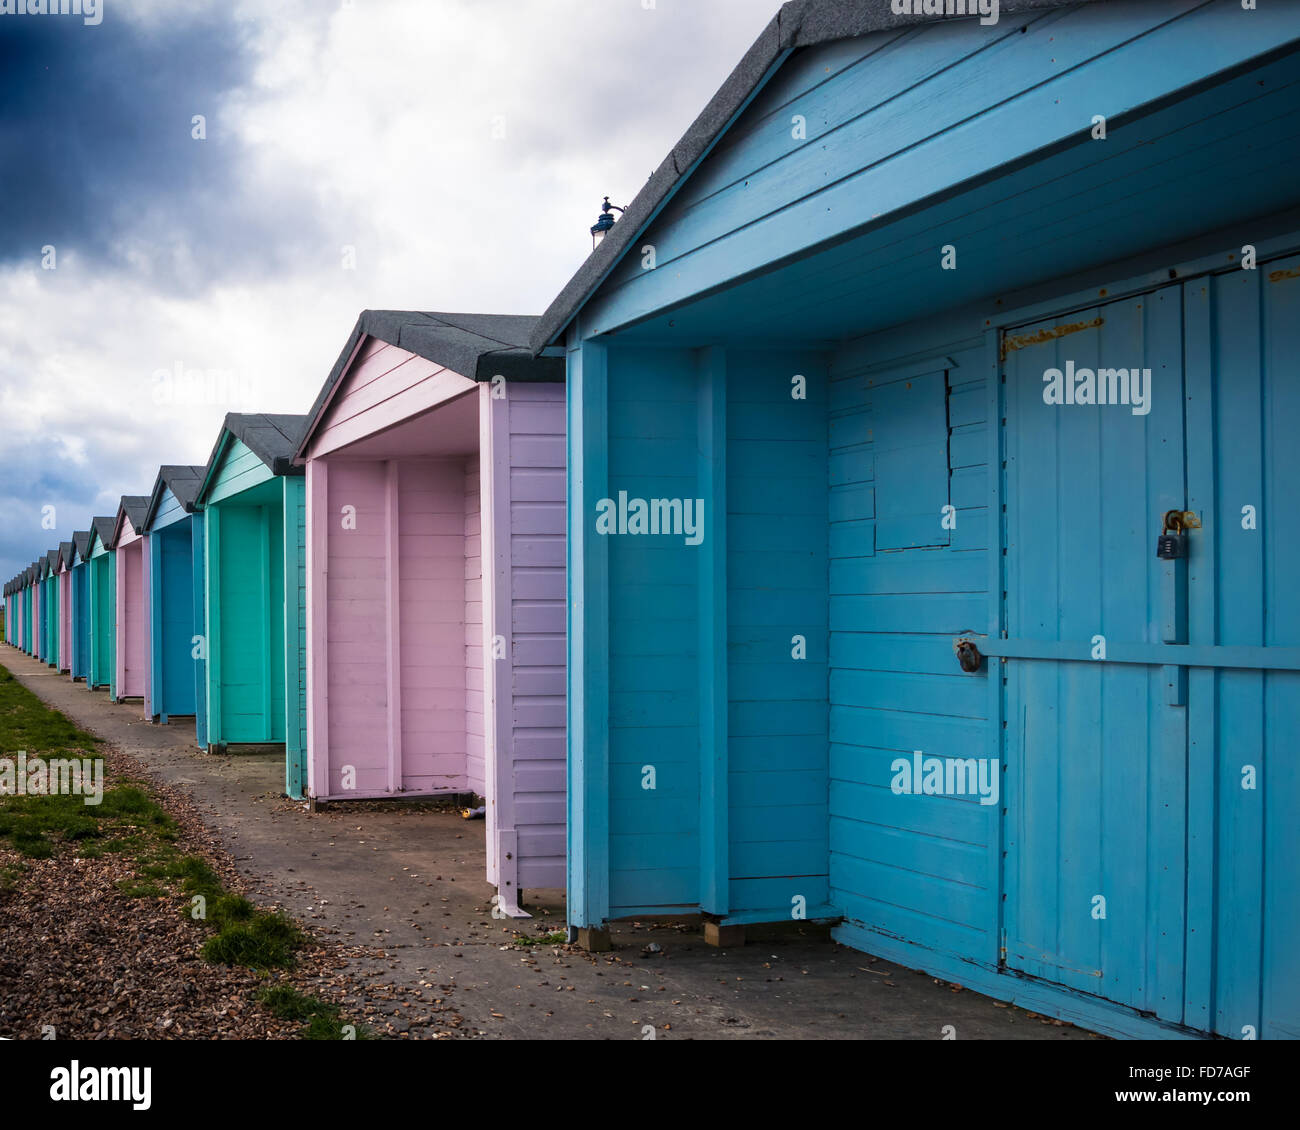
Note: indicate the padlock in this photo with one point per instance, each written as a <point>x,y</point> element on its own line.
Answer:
<point>1169,547</point>
<point>1172,542</point>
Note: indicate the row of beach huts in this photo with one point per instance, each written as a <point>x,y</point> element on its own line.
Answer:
<point>889,525</point>
<point>378,586</point>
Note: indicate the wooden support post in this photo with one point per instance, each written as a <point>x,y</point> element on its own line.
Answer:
<point>724,937</point>
<point>594,939</point>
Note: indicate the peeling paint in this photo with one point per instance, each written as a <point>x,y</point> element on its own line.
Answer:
<point>1011,343</point>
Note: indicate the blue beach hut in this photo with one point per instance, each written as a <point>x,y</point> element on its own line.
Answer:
<point>174,532</point>
<point>931,430</point>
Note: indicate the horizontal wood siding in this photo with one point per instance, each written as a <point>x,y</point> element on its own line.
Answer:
<point>169,511</point>
<point>776,591</point>
<point>240,470</point>
<point>538,603</point>
<point>916,867</point>
<point>384,386</point>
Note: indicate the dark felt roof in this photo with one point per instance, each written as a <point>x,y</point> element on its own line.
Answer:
<point>799,23</point>
<point>183,480</point>
<point>103,528</point>
<point>133,507</point>
<point>51,561</point>
<point>273,438</point>
<point>65,552</point>
<point>80,540</point>
<point>477,346</point>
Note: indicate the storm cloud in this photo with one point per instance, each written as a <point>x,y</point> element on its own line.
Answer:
<point>399,154</point>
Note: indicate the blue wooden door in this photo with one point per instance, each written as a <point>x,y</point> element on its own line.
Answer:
<point>1243,417</point>
<point>1095,753</point>
<point>1151,781</point>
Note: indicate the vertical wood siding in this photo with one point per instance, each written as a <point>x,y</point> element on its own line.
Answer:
<point>475,769</point>
<point>250,649</point>
<point>65,620</point>
<point>294,564</point>
<point>431,544</point>
<point>81,621</point>
<point>173,691</point>
<point>131,610</point>
<point>654,715</point>
<point>102,572</point>
<point>355,626</point>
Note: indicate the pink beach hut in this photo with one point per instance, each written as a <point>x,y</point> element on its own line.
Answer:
<point>434,458</point>
<point>64,573</point>
<point>132,623</point>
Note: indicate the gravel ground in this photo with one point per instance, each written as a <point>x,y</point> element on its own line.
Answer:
<point>80,959</point>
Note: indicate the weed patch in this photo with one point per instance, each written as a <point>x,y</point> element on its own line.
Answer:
<point>324,1021</point>
<point>555,938</point>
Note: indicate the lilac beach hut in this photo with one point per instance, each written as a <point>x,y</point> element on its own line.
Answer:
<point>435,463</point>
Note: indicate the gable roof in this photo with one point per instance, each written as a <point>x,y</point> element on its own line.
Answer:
<point>102,532</point>
<point>80,542</point>
<point>272,437</point>
<point>799,23</point>
<point>65,554</point>
<point>51,561</point>
<point>477,346</point>
<point>102,529</point>
<point>132,507</point>
<point>183,480</point>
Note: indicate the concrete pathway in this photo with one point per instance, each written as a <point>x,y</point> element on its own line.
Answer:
<point>408,880</point>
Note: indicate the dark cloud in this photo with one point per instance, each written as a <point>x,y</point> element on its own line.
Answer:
<point>36,477</point>
<point>97,157</point>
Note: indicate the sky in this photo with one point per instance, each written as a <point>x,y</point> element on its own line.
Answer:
<point>196,204</point>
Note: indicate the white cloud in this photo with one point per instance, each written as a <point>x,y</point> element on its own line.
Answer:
<point>385,111</point>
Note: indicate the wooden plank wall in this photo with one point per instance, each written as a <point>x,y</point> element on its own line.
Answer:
<point>538,609</point>
<point>906,865</point>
